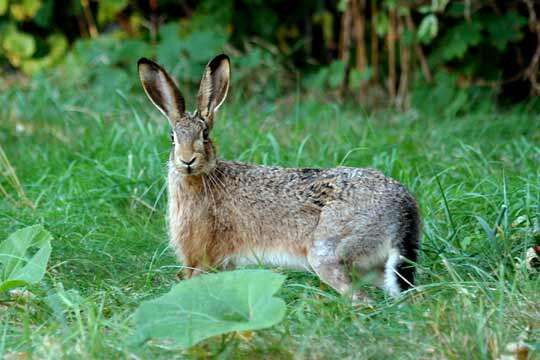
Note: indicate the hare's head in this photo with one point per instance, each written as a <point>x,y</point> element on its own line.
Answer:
<point>192,152</point>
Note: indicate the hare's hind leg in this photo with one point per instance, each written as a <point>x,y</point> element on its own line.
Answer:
<point>332,270</point>
<point>347,241</point>
<point>387,278</point>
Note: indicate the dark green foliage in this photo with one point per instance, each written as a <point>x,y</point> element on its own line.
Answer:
<point>483,42</point>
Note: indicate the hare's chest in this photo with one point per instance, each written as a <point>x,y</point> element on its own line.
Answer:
<point>189,226</point>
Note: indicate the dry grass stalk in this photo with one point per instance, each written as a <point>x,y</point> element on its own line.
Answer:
<point>402,100</point>
<point>374,41</point>
<point>8,172</point>
<point>391,45</point>
<point>359,22</point>
<point>418,50</point>
<point>345,53</point>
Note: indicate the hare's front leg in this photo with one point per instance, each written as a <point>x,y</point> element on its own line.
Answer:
<point>205,259</point>
<point>190,263</point>
<point>191,269</point>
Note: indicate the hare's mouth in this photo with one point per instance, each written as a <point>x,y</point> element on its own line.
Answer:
<point>187,170</point>
<point>197,168</point>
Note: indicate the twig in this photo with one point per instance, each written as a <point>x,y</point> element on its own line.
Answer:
<point>391,45</point>
<point>358,10</point>
<point>82,27</point>
<point>531,72</point>
<point>402,100</point>
<point>187,10</point>
<point>7,171</point>
<point>418,50</point>
<point>92,29</point>
<point>345,55</point>
<point>154,29</point>
<point>374,41</point>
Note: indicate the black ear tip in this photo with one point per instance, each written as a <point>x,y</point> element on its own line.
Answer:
<point>216,61</point>
<point>147,62</point>
<point>142,61</point>
<point>221,57</point>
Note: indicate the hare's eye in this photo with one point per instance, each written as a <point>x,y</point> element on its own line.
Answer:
<point>172,137</point>
<point>205,133</point>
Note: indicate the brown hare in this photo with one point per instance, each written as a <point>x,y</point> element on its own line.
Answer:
<point>334,222</point>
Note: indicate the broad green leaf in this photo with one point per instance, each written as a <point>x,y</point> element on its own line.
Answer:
<point>18,45</point>
<point>408,37</point>
<point>3,6</point>
<point>424,9</point>
<point>58,46</point>
<point>342,5</point>
<point>390,4</point>
<point>18,265</point>
<point>428,29</point>
<point>44,16</point>
<point>439,5</point>
<point>108,9</point>
<point>191,51</point>
<point>359,77</point>
<point>26,9</point>
<point>326,20</point>
<point>203,45</point>
<point>504,28</point>
<point>336,72</point>
<point>459,39</point>
<point>210,305</point>
<point>456,10</point>
<point>381,24</point>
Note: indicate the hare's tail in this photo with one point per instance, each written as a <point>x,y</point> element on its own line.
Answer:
<point>399,272</point>
<point>409,246</point>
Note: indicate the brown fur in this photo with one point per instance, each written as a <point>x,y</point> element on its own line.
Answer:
<point>221,213</point>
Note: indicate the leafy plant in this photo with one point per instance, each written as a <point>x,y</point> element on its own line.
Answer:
<point>460,38</point>
<point>503,29</point>
<point>187,53</point>
<point>210,305</point>
<point>331,76</point>
<point>109,8</point>
<point>429,27</point>
<point>26,50</point>
<point>19,266</point>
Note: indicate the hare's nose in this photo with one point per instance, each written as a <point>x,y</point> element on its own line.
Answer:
<point>188,162</point>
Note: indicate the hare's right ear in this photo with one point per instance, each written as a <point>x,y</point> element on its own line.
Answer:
<point>161,89</point>
<point>214,86</point>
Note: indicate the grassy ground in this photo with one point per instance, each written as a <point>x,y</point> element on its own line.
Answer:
<point>93,165</point>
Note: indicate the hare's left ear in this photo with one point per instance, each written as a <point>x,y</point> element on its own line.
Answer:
<point>214,86</point>
<point>161,90</point>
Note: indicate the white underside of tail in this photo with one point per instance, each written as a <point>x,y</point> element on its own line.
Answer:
<point>391,285</point>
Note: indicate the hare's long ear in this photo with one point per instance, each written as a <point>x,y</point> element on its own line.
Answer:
<point>214,86</point>
<point>161,89</point>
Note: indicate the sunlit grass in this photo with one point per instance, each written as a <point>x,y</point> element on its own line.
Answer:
<point>96,178</point>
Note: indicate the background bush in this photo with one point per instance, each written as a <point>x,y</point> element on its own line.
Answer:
<point>373,51</point>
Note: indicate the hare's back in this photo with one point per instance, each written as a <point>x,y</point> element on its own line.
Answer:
<point>319,187</point>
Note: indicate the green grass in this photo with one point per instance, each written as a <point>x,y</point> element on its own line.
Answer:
<point>93,165</point>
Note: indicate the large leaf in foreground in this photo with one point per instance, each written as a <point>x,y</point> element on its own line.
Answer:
<point>18,265</point>
<point>212,304</point>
